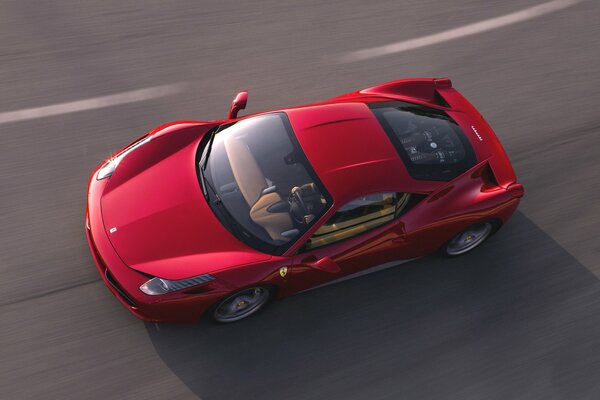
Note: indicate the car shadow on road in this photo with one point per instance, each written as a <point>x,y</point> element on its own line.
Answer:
<point>517,318</point>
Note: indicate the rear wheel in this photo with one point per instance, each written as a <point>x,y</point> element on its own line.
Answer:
<point>469,239</point>
<point>241,304</point>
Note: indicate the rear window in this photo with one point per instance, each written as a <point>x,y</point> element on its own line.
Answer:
<point>432,146</point>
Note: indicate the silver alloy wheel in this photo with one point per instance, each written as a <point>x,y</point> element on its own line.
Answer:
<point>470,238</point>
<point>241,304</point>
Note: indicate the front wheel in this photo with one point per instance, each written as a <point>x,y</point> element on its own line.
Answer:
<point>241,304</point>
<point>469,239</point>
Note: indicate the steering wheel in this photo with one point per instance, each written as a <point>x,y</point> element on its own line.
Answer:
<point>297,200</point>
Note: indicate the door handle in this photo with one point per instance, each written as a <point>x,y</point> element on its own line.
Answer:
<point>324,264</point>
<point>310,259</point>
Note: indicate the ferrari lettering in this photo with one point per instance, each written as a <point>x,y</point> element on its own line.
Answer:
<point>477,133</point>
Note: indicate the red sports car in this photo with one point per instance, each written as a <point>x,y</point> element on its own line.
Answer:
<point>216,218</point>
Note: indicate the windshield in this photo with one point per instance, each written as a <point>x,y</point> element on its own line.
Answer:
<point>260,184</point>
<point>430,143</point>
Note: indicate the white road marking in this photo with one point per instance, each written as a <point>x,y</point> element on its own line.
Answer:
<point>456,33</point>
<point>91,104</point>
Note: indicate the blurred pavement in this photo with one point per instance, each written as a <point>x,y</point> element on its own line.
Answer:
<point>518,318</point>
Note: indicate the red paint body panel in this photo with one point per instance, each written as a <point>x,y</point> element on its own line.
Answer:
<point>154,194</point>
<point>165,228</point>
<point>172,308</point>
<point>422,89</point>
<point>366,151</point>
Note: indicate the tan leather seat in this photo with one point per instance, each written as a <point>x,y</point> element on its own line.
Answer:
<point>252,182</point>
<point>274,223</point>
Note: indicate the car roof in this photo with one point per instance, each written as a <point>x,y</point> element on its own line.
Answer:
<point>350,151</point>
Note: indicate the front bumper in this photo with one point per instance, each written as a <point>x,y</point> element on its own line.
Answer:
<point>124,282</point>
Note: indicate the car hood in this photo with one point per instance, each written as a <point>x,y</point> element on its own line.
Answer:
<point>156,216</point>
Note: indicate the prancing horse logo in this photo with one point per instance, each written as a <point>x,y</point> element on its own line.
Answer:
<point>283,271</point>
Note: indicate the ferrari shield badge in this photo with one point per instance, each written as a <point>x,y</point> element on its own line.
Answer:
<point>283,271</point>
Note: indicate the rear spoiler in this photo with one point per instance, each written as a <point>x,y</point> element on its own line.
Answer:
<point>424,89</point>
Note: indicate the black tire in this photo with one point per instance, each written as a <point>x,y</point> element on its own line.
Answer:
<point>469,238</point>
<point>241,304</point>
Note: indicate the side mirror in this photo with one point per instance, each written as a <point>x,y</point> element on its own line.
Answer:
<point>239,103</point>
<point>325,264</point>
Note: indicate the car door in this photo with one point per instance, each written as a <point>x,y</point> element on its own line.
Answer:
<point>364,233</point>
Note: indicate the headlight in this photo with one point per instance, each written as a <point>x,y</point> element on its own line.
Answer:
<point>109,167</point>
<point>156,286</point>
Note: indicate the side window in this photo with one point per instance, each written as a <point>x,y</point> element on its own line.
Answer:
<point>358,216</point>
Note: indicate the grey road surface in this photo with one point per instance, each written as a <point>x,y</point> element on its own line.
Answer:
<point>517,319</point>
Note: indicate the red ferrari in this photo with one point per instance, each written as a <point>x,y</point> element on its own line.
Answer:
<point>216,218</point>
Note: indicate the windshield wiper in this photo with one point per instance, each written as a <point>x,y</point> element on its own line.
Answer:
<point>239,231</point>
<point>204,162</point>
<point>242,233</point>
<point>211,139</point>
<point>205,183</point>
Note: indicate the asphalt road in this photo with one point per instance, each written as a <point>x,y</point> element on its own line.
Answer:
<point>517,319</point>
